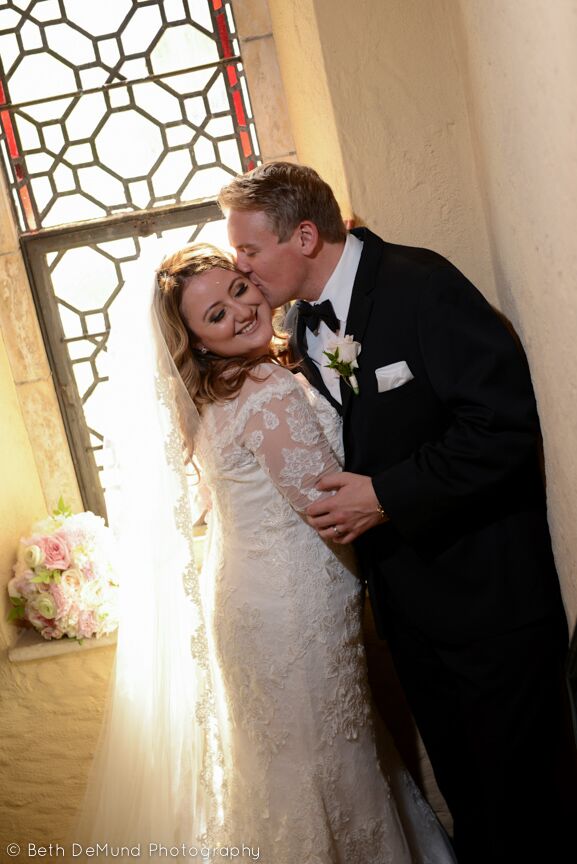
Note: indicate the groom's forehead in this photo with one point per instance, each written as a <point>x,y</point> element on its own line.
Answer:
<point>249,227</point>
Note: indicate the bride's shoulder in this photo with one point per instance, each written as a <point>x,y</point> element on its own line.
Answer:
<point>266,383</point>
<point>268,376</point>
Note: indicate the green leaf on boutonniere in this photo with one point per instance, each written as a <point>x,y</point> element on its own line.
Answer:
<point>342,368</point>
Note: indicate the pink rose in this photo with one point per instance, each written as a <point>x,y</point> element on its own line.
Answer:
<point>86,624</point>
<point>38,621</point>
<point>88,571</point>
<point>61,600</point>
<point>72,616</point>
<point>21,586</point>
<point>51,632</point>
<point>56,552</point>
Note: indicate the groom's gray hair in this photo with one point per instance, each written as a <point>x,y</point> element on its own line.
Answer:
<point>289,194</point>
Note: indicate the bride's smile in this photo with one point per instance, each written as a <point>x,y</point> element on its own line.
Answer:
<point>227,314</point>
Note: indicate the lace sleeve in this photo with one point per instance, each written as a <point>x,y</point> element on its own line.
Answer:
<point>282,430</point>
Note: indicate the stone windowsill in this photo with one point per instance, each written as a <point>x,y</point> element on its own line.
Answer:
<point>31,646</point>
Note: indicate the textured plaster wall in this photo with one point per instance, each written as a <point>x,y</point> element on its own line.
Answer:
<point>378,107</point>
<point>309,93</point>
<point>50,709</point>
<point>267,95</point>
<point>520,69</point>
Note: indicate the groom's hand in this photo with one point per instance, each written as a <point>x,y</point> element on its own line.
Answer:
<point>352,510</point>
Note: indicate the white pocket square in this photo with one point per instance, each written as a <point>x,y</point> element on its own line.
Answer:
<point>392,376</point>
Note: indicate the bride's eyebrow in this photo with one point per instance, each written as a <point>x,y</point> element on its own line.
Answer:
<point>218,302</point>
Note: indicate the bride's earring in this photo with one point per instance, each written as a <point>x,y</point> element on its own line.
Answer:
<point>202,349</point>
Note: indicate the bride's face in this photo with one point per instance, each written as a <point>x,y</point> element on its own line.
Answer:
<point>227,313</point>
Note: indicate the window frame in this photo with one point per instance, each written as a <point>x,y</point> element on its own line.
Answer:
<point>35,248</point>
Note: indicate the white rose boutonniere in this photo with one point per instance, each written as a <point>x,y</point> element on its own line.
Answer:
<point>342,353</point>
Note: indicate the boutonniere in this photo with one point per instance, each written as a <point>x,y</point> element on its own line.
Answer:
<point>342,353</point>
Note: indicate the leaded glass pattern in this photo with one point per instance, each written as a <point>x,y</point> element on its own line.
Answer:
<point>77,285</point>
<point>120,120</point>
<point>87,280</point>
<point>118,106</point>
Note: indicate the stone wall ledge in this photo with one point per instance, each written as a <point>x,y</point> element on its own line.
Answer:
<point>31,646</point>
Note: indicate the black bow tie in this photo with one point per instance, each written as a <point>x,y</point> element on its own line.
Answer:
<point>312,315</point>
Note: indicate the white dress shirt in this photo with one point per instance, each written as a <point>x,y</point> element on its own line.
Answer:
<point>338,290</point>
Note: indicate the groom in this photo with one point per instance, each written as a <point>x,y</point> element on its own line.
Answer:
<point>443,497</point>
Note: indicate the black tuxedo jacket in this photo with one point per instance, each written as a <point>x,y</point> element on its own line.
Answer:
<point>453,454</point>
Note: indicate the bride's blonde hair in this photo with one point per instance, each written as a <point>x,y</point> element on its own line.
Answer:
<point>206,376</point>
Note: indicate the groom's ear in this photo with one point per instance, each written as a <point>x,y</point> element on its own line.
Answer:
<point>307,237</point>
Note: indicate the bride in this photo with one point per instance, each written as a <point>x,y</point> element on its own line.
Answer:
<point>241,722</point>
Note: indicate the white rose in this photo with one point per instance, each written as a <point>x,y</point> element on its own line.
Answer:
<point>72,578</point>
<point>33,555</point>
<point>91,594</point>
<point>349,350</point>
<point>44,605</point>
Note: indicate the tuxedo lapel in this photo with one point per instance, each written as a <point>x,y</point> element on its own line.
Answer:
<point>307,366</point>
<point>361,300</point>
<point>313,374</point>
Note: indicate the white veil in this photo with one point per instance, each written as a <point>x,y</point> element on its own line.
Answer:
<point>158,773</point>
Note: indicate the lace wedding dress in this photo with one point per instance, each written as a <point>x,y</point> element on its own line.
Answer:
<point>303,781</point>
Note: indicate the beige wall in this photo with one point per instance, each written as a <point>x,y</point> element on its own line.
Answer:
<point>51,708</point>
<point>378,107</point>
<point>520,68</point>
<point>452,124</point>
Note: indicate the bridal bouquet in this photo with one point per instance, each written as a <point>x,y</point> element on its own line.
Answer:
<point>64,583</point>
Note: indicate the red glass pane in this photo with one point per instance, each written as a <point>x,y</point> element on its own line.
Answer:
<point>239,108</point>
<point>246,145</point>
<point>6,121</point>
<point>235,91</point>
<point>224,35</point>
<point>27,207</point>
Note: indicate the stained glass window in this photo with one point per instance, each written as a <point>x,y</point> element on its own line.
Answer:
<point>119,120</point>
<point>119,105</point>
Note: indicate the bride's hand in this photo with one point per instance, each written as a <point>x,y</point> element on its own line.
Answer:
<point>352,510</point>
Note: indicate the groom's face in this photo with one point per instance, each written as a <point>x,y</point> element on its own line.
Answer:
<point>277,269</point>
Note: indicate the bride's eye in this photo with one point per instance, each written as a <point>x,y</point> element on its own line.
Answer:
<point>218,316</point>
<point>240,289</point>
